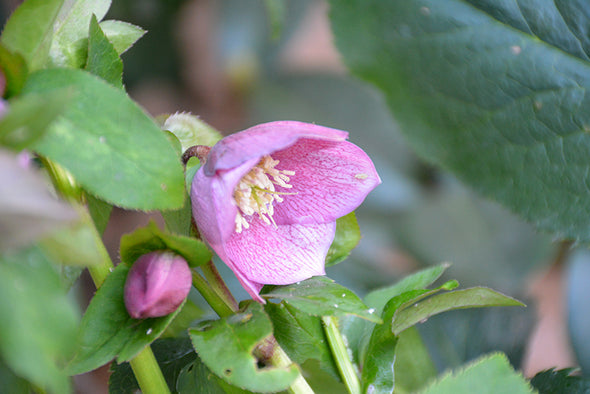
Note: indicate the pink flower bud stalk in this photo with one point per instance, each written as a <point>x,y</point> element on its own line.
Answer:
<point>156,285</point>
<point>267,199</point>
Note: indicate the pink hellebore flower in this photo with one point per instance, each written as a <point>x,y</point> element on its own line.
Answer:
<point>267,199</point>
<point>156,285</point>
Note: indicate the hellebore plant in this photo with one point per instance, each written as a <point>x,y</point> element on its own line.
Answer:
<point>156,285</point>
<point>267,198</point>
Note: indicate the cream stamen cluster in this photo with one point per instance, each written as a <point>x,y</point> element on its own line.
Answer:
<point>255,193</point>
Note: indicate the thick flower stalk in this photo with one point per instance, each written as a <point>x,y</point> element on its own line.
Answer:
<point>267,199</point>
<point>157,283</point>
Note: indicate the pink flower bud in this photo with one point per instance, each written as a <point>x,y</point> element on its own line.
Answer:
<point>156,285</point>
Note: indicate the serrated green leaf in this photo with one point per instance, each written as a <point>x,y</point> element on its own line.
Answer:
<point>29,117</point>
<point>103,60</point>
<point>121,34</point>
<point>417,281</point>
<point>561,381</point>
<point>71,30</point>
<point>321,296</point>
<point>172,356</point>
<point>29,31</point>
<point>301,336</point>
<point>15,70</point>
<point>413,367</point>
<point>37,319</point>
<point>150,238</point>
<point>107,331</point>
<point>474,297</point>
<point>492,91</point>
<point>109,144</point>
<point>488,375</point>
<point>348,235</point>
<point>227,347</point>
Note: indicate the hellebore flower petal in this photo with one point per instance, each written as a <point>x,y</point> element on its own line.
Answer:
<point>156,285</point>
<point>280,255</point>
<point>267,199</point>
<point>213,207</point>
<point>344,171</point>
<point>264,139</point>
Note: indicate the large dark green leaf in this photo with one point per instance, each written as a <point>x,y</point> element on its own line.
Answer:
<point>494,91</point>
<point>109,144</point>
<point>107,330</point>
<point>560,382</point>
<point>490,374</point>
<point>37,320</point>
<point>227,347</point>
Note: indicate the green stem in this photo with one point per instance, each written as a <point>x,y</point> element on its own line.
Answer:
<point>148,373</point>
<point>218,285</point>
<point>280,359</point>
<point>217,303</point>
<point>144,365</point>
<point>340,353</point>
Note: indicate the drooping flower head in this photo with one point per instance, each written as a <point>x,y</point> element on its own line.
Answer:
<point>267,199</point>
<point>156,285</point>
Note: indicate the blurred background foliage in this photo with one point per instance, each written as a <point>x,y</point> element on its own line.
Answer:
<point>236,63</point>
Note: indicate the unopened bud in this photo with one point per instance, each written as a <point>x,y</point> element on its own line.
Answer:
<point>156,285</point>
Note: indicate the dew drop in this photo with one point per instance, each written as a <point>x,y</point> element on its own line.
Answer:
<point>515,49</point>
<point>370,389</point>
<point>371,310</point>
<point>425,10</point>
<point>149,331</point>
<point>102,139</point>
<point>335,305</point>
<point>343,295</point>
<point>361,176</point>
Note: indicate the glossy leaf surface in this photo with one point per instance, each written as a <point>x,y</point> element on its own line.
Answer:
<point>493,91</point>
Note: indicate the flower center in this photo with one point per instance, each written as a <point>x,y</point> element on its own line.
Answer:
<point>255,193</point>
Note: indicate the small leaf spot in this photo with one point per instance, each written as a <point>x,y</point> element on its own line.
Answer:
<point>102,139</point>
<point>164,187</point>
<point>425,11</point>
<point>227,372</point>
<point>538,105</point>
<point>516,49</point>
<point>587,128</point>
